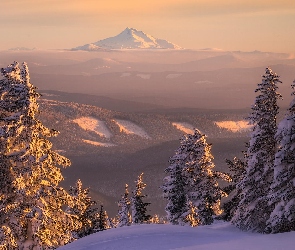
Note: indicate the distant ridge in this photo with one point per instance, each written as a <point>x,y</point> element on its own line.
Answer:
<point>129,38</point>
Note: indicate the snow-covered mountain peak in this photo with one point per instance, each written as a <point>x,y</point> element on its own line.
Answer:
<point>130,38</point>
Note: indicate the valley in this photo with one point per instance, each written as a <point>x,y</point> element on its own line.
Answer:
<point>109,148</point>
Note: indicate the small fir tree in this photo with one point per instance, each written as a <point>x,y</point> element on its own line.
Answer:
<point>253,210</point>
<point>191,187</point>
<point>84,209</point>
<point>103,221</point>
<point>202,188</point>
<point>124,209</point>
<point>237,169</point>
<point>282,193</point>
<point>174,186</point>
<point>191,217</point>
<point>31,202</point>
<point>139,207</point>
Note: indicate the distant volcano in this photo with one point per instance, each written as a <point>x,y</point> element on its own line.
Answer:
<point>129,38</point>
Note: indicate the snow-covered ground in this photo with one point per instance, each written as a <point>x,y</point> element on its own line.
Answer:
<point>92,124</point>
<point>234,126</point>
<point>100,144</point>
<point>220,235</point>
<point>129,127</point>
<point>184,127</point>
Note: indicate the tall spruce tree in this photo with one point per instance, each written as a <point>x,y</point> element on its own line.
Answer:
<point>139,207</point>
<point>282,193</point>
<point>31,202</point>
<point>124,209</point>
<point>84,209</point>
<point>253,210</point>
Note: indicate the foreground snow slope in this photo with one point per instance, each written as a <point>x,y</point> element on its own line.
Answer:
<point>220,235</point>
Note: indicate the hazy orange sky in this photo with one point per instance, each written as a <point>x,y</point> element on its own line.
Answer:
<point>266,25</point>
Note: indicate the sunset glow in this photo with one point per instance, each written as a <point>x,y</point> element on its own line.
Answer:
<point>230,25</point>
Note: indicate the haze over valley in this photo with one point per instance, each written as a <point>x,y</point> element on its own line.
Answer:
<point>117,107</point>
<point>123,104</point>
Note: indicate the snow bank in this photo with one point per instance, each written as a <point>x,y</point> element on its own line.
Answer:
<point>220,235</point>
<point>131,128</point>
<point>234,126</point>
<point>101,144</point>
<point>92,124</point>
<point>184,127</point>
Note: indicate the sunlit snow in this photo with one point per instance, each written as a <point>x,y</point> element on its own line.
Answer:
<point>234,126</point>
<point>100,144</point>
<point>130,38</point>
<point>129,127</point>
<point>220,235</point>
<point>95,125</point>
<point>184,127</point>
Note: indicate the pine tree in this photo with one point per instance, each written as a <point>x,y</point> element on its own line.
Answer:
<point>124,209</point>
<point>253,210</point>
<point>282,193</point>
<point>174,186</point>
<point>103,221</point>
<point>84,209</point>
<point>203,190</point>
<point>31,202</point>
<point>237,169</point>
<point>139,207</point>
<point>191,186</point>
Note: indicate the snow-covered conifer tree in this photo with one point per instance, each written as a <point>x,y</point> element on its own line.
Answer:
<point>84,210</point>
<point>202,188</point>
<point>191,187</point>
<point>139,207</point>
<point>282,193</point>
<point>237,170</point>
<point>103,221</point>
<point>31,202</point>
<point>174,187</point>
<point>124,209</point>
<point>191,217</point>
<point>253,210</point>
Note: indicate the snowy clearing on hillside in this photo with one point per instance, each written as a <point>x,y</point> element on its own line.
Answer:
<point>125,74</point>
<point>220,235</point>
<point>171,76</point>
<point>234,126</point>
<point>131,128</point>
<point>92,124</point>
<point>144,76</point>
<point>203,82</point>
<point>100,144</point>
<point>184,127</point>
